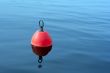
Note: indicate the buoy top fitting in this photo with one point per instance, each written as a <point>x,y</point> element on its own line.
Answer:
<point>41,25</point>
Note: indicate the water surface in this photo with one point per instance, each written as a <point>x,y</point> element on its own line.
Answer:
<point>80,30</point>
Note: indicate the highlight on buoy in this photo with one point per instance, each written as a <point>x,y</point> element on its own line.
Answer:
<point>41,42</point>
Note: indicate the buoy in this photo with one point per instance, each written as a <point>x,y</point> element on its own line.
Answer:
<point>41,42</point>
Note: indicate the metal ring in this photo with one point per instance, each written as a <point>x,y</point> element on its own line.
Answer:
<point>41,23</point>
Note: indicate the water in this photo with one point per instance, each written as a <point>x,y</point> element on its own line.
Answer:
<point>80,30</point>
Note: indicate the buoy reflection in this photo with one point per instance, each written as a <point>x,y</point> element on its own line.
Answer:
<point>40,52</point>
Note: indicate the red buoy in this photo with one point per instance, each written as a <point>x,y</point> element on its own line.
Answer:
<point>41,42</point>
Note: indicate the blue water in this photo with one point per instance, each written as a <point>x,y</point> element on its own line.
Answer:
<point>80,30</point>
